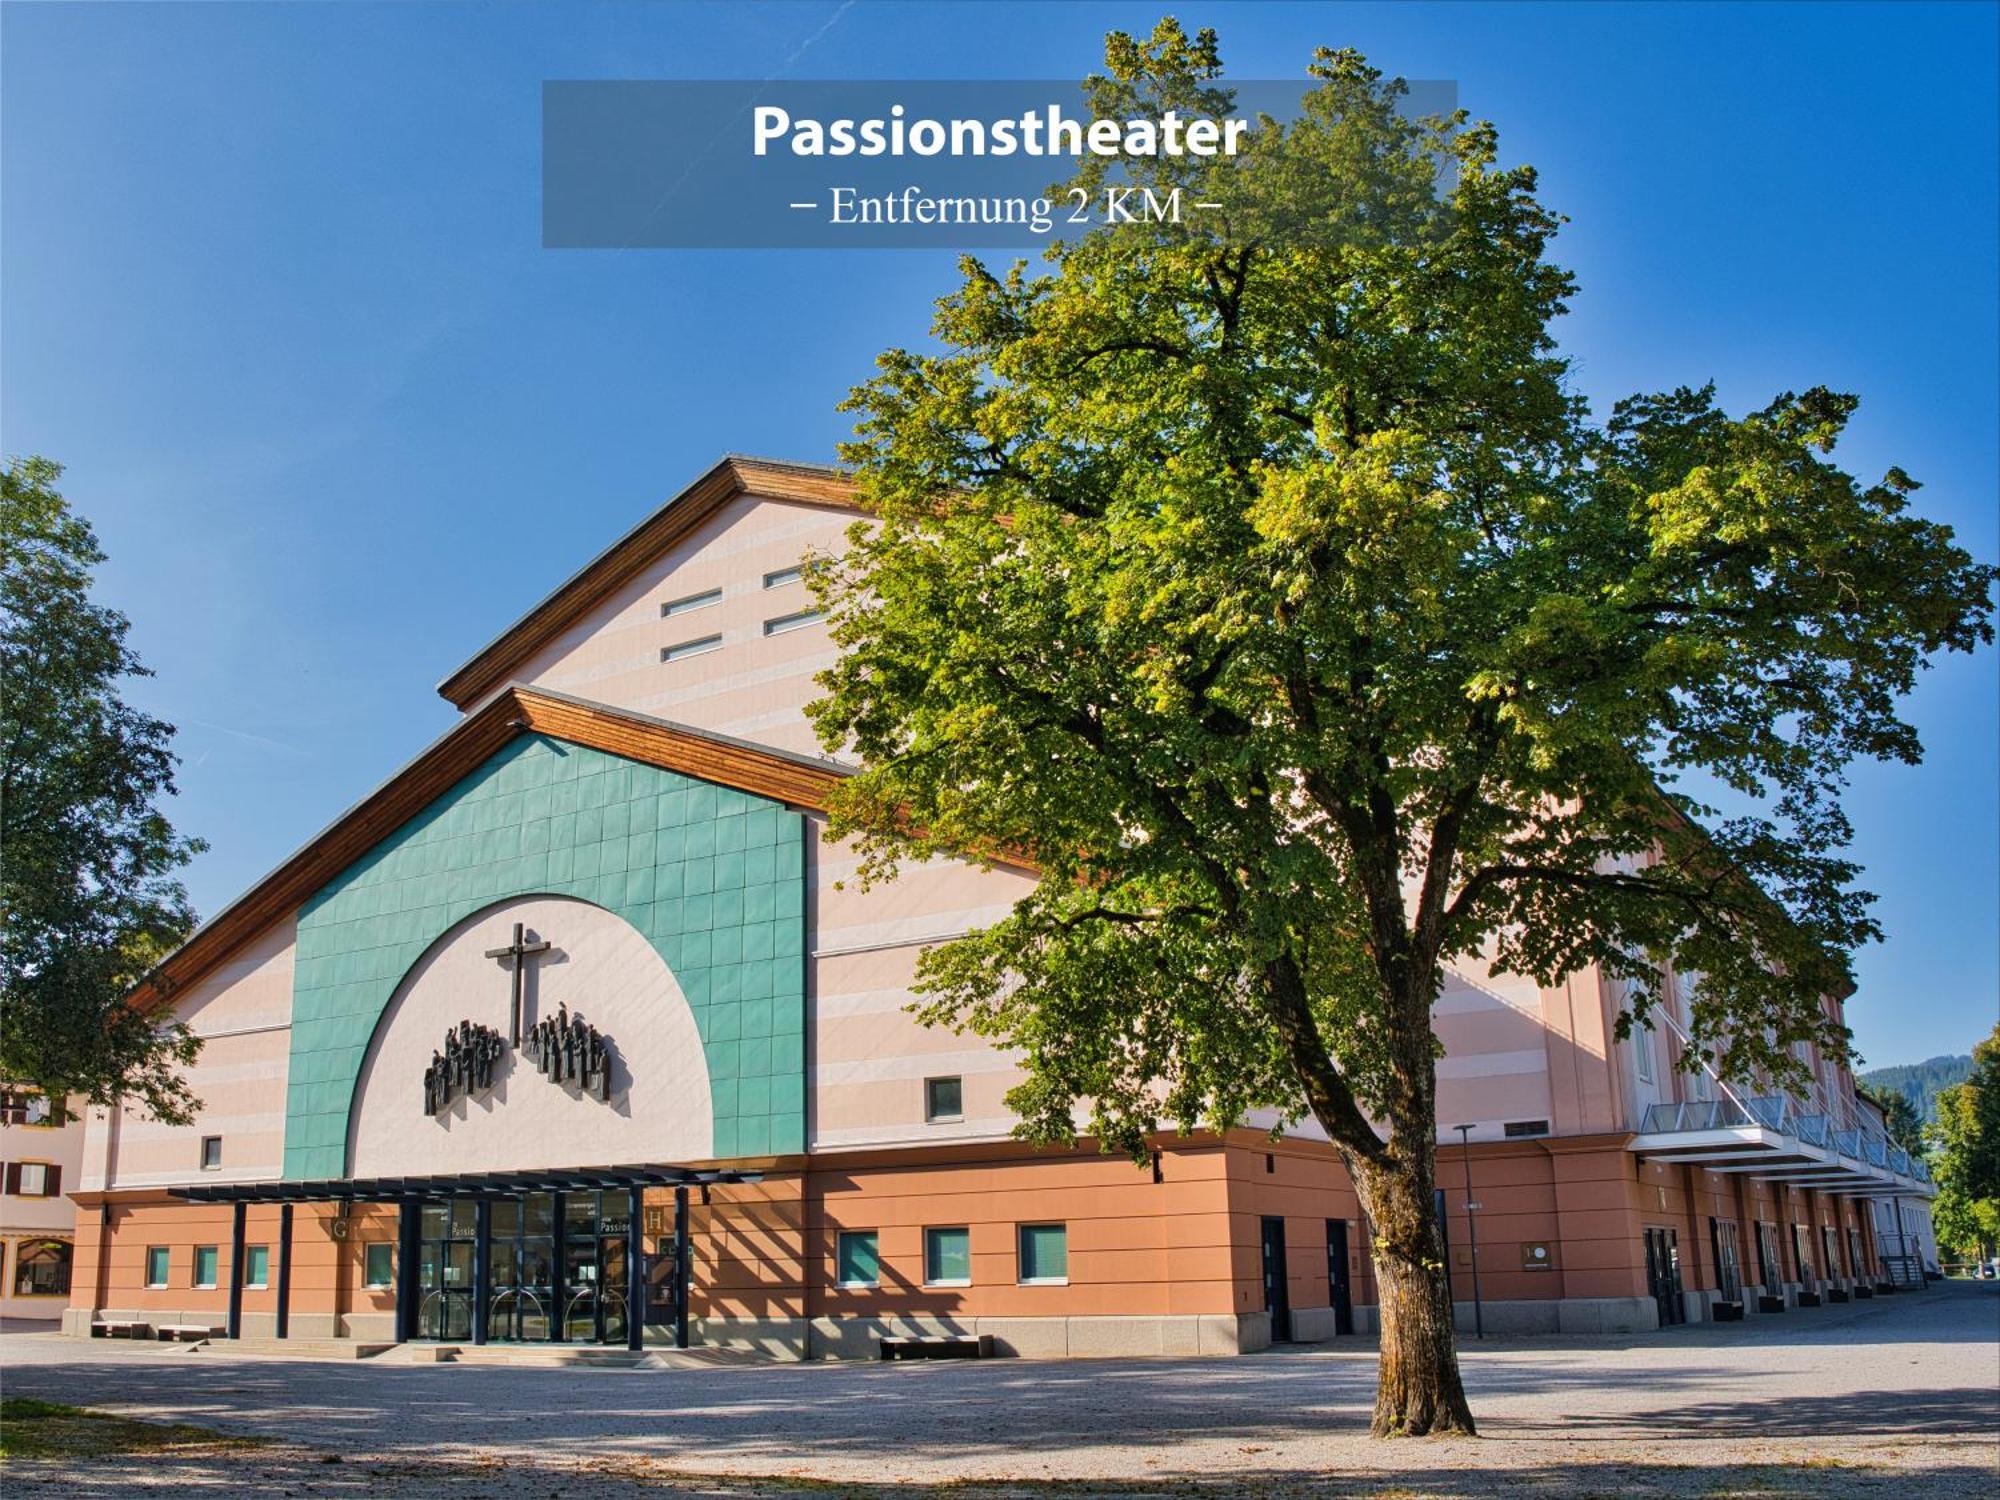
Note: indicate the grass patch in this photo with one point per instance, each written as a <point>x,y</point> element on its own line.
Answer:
<point>48,1429</point>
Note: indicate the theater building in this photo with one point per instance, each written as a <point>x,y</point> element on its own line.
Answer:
<point>575,1031</point>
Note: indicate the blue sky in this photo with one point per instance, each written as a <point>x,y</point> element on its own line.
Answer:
<point>274,293</point>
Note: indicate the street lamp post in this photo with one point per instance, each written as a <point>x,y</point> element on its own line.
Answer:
<point>1472,1233</point>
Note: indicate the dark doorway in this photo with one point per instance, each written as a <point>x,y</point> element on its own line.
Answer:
<point>596,1280</point>
<point>1340,1297</point>
<point>1277,1286</point>
<point>1728,1272</point>
<point>1663,1274</point>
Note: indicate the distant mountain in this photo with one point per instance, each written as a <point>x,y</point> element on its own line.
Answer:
<point>1921,1083</point>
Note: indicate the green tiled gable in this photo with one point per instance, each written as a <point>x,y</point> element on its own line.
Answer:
<point>714,878</point>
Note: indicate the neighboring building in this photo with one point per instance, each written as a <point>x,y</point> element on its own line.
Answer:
<point>41,1145</point>
<point>1902,1222</point>
<point>584,970</point>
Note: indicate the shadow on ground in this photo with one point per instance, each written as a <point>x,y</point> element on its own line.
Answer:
<point>305,1475</point>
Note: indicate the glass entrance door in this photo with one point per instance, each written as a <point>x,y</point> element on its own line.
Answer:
<point>447,1239</point>
<point>597,1282</point>
<point>521,1251</point>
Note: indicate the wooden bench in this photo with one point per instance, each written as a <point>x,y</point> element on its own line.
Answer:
<point>174,1333</point>
<point>943,1346</point>
<point>120,1328</point>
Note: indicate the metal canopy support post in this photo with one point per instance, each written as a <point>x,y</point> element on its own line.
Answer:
<point>482,1266</point>
<point>635,1272</point>
<point>236,1271</point>
<point>559,1277</point>
<point>284,1270</point>
<point>683,1265</point>
<point>407,1254</point>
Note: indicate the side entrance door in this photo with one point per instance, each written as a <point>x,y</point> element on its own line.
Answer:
<point>1336,1276</point>
<point>1277,1288</point>
<point>1663,1274</point>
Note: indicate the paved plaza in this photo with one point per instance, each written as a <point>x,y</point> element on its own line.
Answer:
<point>1893,1397</point>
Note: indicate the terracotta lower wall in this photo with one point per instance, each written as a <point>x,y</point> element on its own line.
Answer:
<point>1137,1247</point>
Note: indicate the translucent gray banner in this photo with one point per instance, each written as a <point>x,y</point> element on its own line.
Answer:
<point>873,165</point>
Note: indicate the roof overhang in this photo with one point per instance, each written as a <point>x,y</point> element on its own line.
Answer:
<point>736,474</point>
<point>796,780</point>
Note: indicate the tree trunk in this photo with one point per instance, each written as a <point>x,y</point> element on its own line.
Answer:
<point>1418,1391</point>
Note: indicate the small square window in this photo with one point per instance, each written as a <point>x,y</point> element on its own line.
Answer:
<point>33,1179</point>
<point>257,1265</point>
<point>948,1257</point>
<point>686,649</point>
<point>786,623</point>
<point>157,1265</point>
<point>211,1152</point>
<point>378,1265</point>
<point>691,603</point>
<point>944,1099</point>
<point>1045,1253</point>
<point>783,576</point>
<point>856,1262</point>
<point>205,1262</point>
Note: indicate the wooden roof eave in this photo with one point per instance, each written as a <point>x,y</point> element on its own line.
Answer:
<point>796,780</point>
<point>736,474</point>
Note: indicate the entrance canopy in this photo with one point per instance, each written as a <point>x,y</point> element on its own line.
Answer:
<point>460,1184</point>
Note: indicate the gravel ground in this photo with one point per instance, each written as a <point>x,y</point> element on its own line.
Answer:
<point>1892,1397</point>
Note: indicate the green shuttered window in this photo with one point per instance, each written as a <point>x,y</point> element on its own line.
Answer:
<point>1044,1252</point>
<point>948,1257</point>
<point>858,1263</point>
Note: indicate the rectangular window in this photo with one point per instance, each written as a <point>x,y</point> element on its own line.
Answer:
<point>33,1179</point>
<point>691,648</point>
<point>205,1260</point>
<point>1642,1052</point>
<point>783,576</point>
<point>211,1152</point>
<point>948,1257</point>
<point>691,603</point>
<point>257,1265</point>
<point>24,1107</point>
<point>1044,1252</point>
<point>797,621</point>
<point>378,1265</point>
<point>944,1099</point>
<point>1527,1127</point>
<point>156,1265</point>
<point>856,1261</point>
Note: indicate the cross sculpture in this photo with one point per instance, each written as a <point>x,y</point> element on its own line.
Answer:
<point>516,954</point>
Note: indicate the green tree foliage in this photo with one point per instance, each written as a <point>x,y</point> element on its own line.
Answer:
<point>86,856</point>
<point>1261,585</point>
<point>1965,1156</point>
<point>1904,1124</point>
<point>1920,1083</point>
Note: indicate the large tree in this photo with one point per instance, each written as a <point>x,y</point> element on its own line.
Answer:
<point>1260,583</point>
<point>1966,1156</point>
<point>87,890</point>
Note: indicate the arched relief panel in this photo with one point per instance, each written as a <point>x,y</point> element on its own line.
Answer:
<point>598,967</point>
<point>711,878</point>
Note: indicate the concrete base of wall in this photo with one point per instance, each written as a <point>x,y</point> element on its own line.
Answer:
<point>1051,1338</point>
<point>773,1338</point>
